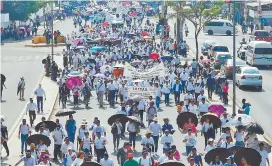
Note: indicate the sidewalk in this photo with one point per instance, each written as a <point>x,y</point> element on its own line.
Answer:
<point>216,100</point>
<point>14,143</point>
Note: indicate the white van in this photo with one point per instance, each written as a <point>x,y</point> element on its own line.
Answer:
<point>218,27</point>
<point>259,53</point>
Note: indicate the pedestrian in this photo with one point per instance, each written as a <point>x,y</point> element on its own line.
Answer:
<point>54,71</point>
<point>98,129</point>
<point>145,160</point>
<point>132,129</point>
<point>156,130</point>
<point>203,107</point>
<point>141,109</point>
<point>166,125</point>
<point>21,88</point>
<point>75,61</point>
<point>207,130</point>
<point>225,93</point>
<point>167,140</point>
<point>228,143</point>
<point>100,90</point>
<point>68,43</point>
<point>24,132</point>
<point>57,134</point>
<point>192,162</point>
<point>158,94</point>
<point>190,141</point>
<point>70,128</point>
<point>239,135</point>
<point>111,88</point>
<point>79,160</point>
<point>69,157</point>
<point>210,145</point>
<point>116,129</point>
<point>151,113</point>
<point>31,108</point>
<point>122,155</point>
<point>210,85</point>
<point>264,155</point>
<point>2,86</point>
<point>147,142</point>
<point>100,142</point>
<point>86,91</point>
<point>64,94</point>
<point>177,90</point>
<point>130,161</point>
<point>27,159</point>
<point>197,157</point>
<point>75,90</point>
<point>216,162</point>
<point>106,161</point>
<point>40,93</point>
<point>229,162</point>
<point>175,152</point>
<point>190,124</point>
<point>4,138</point>
<point>66,145</point>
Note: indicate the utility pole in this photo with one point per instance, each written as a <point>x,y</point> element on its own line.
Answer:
<point>234,63</point>
<point>52,30</point>
<point>260,14</point>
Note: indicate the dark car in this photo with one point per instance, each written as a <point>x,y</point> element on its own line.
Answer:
<point>226,68</point>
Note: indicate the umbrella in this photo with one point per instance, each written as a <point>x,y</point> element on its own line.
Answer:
<point>80,47</point>
<point>135,56</point>
<point>103,68</point>
<point>122,117</point>
<point>134,119</point>
<point>235,149</point>
<point>245,119</point>
<point>3,78</point>
<point>91,61</point>
<point>223,153</point>
<point>213,118</point>
<point>252,156</point>
<point>147,38</point>
<point>64,113</point>
<point>90,163</point>
<point>140,41</point>
<point>36,139</point>
<point>144,33</point>
<point>100,75</point>
<point>129,102</point>
<point>267,147</point>
<point>255,128</point>
<point>92,42</point>
<point>167,58</point>
<point>119,66</point>
<point>183,118</point>
<point>97,48</point>
<point>105,24</point>
<point>50,125</point>
<point>137,98</point>
<point>172,163</point>
<point>73,81</point>
<point>154,56</point>
<point>75,74</point>
<point>137,80</point>
<point>135,63</point>
<point>217,109</point>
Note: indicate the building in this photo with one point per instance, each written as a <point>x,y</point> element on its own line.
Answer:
<point>257,12</point>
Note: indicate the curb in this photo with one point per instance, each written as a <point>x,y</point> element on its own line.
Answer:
<point>46,45</point>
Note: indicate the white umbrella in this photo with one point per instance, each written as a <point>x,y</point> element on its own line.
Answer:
<point>80,47</point>
<point>137,80</point>
<point>246,119</point>
<point>137,98</point>
<point>75,74</point>
<point>119,66</point>
<point>99,75</point>
<point>137,62</point>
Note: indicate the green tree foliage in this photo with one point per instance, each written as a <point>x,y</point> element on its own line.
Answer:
<point>199,16</point>
<point>20,10</point>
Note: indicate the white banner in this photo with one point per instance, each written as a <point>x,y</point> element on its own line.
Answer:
<point>132,72</point>
<point>145,92</point>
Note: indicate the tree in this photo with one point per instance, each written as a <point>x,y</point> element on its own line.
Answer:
<point>199,16</point>
<point>21,10</point>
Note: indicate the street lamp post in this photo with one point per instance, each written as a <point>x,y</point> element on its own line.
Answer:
<point>234,62</point>
<point>52,30</point>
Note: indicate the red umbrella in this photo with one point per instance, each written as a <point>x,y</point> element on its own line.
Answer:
<point>154,56</point>
<point>105,24</point>
<point>144,33</point>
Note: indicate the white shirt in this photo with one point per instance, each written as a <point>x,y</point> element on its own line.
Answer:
<point>264,156</point>
<point>107,162</point>
<point>119,127</point>
<point>200,97</point>
<point>99,142</point>
<point>75,58</point>
<point>208,148</point>
<point>187,98</point>
<point>184,77</point>
<point>111,86</point>
<point>145,161</point>
<point>86,142</point>
<point>198,89</point>
<point>99,129</point>
<point>158,92</point>
<point>166,89</point>
<point>207,126</point>
<point>24,129</point>
<point>40,92</point>
<point>31,107</point>
<point>191,139</point>
<point>224,121</point>
<point>227,145</point>
<point>162,158</point>
<point>190,86</point>
<point>131,127</point>
<point>167,139</point>
<point>203,107</point>
<point>193,109</point>
<point>224,136</point>
<point>155,128</point>
<point>146,140</point>
<point>70,158</point>
<point>64,147</point>
<point>141,105</point>
<point>77,162</point>
<point>58,135</point>
<point>100,87</point>
<point>240,136</point>
<point>81,132</point>
<point>42,147</point>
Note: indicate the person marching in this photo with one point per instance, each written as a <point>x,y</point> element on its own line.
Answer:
<point>31,108</point>
<point>40,93</point>
<point>24,132</point>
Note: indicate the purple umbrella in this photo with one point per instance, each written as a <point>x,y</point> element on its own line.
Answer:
<point>217,109</point>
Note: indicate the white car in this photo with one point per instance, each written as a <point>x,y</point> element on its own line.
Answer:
<point>249,76</point>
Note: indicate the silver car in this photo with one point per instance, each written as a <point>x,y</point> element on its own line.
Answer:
<point>249,76</point>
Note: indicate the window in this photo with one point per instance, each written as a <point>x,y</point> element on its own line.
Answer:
<point>229,25</point>
<point>261,33</point>
<point>263,51</point>
<point>223,57</point>
<point>215,24</point>
<point>251,71</point>
<point>221,49</point>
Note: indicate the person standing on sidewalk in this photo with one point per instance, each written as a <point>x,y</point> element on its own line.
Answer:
<point>21,88</point>
<point>31,108</point>
<point>58,135</point>
<point>4,137</point>
<point>40,93</point>
<point>24,132</point>
<point>156,130</point>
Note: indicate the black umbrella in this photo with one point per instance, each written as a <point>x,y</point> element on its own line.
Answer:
<point>90,163</point>
<point>3,78</point>
<point>235,149</point>
<point>122,117</point>
<point>50,125</point>
<point>255,128</point>
<point>171,163</point>
<point>213,119</point>
<point>135,120</point>
<point>36,139</point>
<point>252,156</point>
<point>183,118</point>
<point>91,61</point>
<point>64,113</point>
<point>135,56</point>
<point>223,153</point>
<point>92,42</point>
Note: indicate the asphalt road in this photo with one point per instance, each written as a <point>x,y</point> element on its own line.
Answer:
<point>260,100</point>
<point>19,61</point>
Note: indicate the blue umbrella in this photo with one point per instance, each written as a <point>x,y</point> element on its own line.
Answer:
<point>97,48</point>
<point>167,58</point>
<point>75,74</point>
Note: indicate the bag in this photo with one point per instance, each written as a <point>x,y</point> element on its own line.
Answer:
<point>114,129</point>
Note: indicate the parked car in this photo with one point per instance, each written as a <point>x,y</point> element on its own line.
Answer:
<point>226,68</point>
<point>217,48</point>
<point>218,27</point>
<point>206,46</point>
<point>241,52</point>
<point>221,58</point>
<point>249,76</point>
<point>261,35</point>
